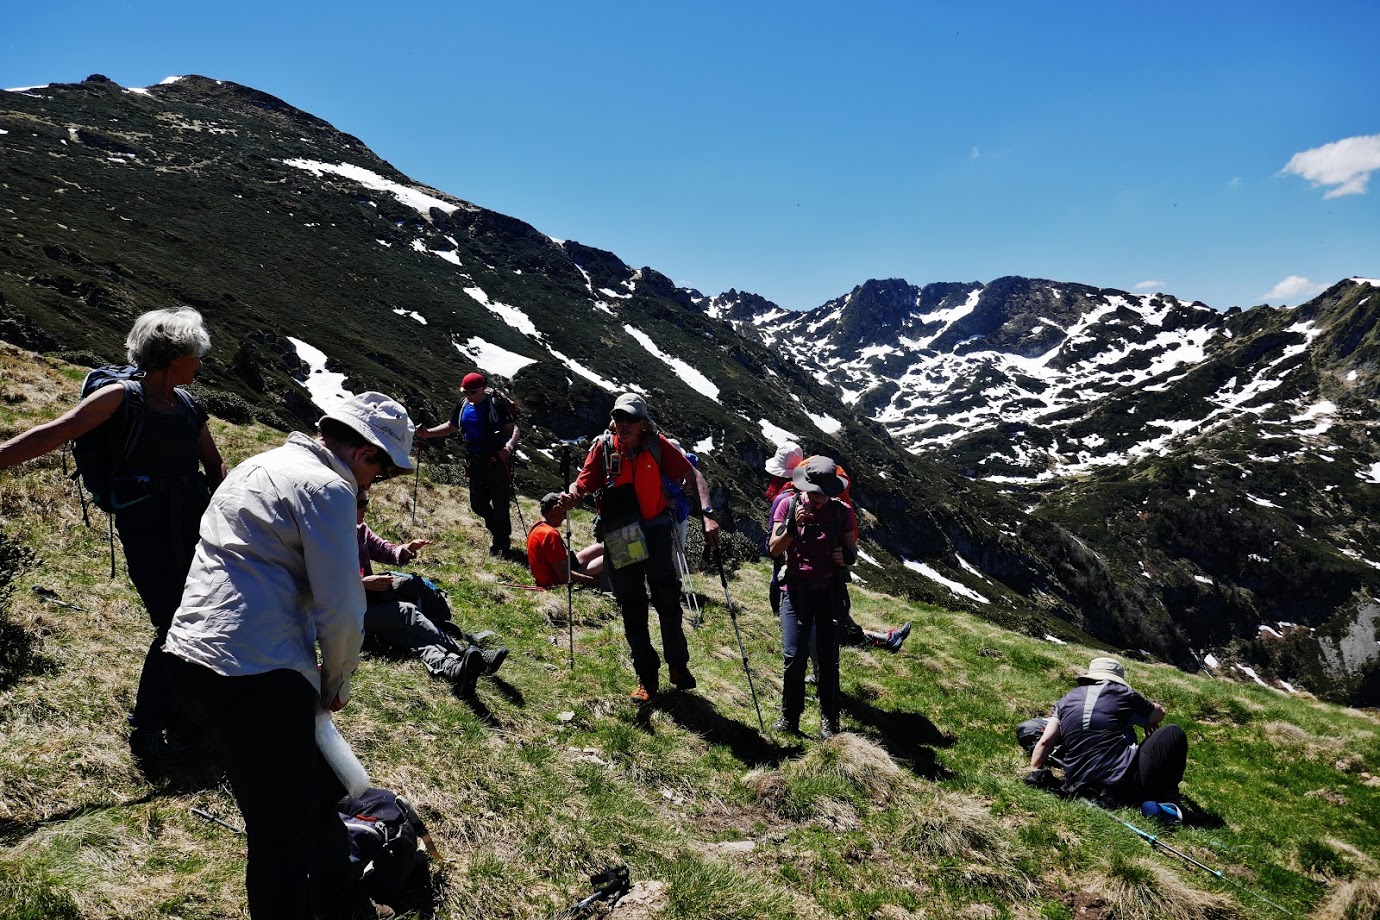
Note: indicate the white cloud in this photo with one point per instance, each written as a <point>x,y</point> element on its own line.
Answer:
<point>1345,165</point>
<point>1293,286</point>
<point>1235,182</point>
<point>1148,285</point>
<point>974,153</point>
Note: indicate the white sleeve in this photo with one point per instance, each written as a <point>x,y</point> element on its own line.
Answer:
<point>331,553</point>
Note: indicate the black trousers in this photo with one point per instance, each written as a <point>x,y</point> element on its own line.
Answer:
<point>262,728</point>
<point>1159,767</point>
<point>490,495</point>
<point>159,536</point>
<point>656,576</point>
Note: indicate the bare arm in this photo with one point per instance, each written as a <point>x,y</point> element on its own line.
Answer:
<point>211,460</point>
<point>510,435</point>
<point>1156,717</point>
<point>77,421</point>
<point>436,431</point>
<point>780,539</point>
<point>711,526</point>
<point>1040,753</point>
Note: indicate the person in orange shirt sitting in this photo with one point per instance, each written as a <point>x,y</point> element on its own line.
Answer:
<point>551,563</point>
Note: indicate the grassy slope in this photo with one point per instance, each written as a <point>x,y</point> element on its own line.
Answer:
<point>526,802</point>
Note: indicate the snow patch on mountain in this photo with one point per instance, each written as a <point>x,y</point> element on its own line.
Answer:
<point>961,590</point>
<point>327,388</point>
<point>490,357</point>
<point>776,434</point>
<point>692,377</point>
<point>414,198</point>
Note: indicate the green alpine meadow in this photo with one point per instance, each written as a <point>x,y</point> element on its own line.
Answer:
<point>550,775</point>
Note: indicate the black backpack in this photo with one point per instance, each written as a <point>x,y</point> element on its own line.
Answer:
<point>384,835</point>
<point>100,454</point>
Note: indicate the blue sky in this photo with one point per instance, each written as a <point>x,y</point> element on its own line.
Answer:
<point>1218,151</point>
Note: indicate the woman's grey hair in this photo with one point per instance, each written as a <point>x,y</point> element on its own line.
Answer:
<point>160,337</point>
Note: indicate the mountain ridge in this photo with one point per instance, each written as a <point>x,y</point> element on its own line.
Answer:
<point>285,231</point>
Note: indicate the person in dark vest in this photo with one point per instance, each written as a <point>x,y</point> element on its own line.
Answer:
<point>162,491</point>
<point>1094,725</point>
<point>625,467</point>
<point>486,419</point>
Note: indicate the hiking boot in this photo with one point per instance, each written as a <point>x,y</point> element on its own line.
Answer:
<point>463,670</point>
<point>682,678</point>
<point>644,692</point>
<point>493,659</point>
<point>828,727</point>
<point>896,638</point>
<point>789,725</point>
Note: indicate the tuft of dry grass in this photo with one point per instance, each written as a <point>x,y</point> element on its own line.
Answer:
<point>1356,900</point>
<point>958,834</point>
<point>1139,889</point>
<point>847,768</point>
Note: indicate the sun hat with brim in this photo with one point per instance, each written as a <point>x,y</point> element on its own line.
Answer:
<point>381,421</point>
<point>1105,669</point>
<point>786,458</point>
<point>817,474</point>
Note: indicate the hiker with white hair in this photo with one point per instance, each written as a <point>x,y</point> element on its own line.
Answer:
<point>146,436</point>
<point>276,578</point>
<point>1094,727</point>
<point>624,469</point>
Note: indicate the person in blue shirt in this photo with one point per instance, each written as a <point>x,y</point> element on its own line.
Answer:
<point>486,419</point>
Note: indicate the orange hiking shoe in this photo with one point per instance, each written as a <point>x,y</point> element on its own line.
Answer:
<point>643,693</point>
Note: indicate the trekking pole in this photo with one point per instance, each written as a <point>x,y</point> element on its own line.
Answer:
<point>512,491</point>
<point>416,480</point>
<point>202,813</point>
<point>612,882</point>
<point>1155,841</point>
<point>569,563</point>
<point>733,617</point>
<point>683,569</point>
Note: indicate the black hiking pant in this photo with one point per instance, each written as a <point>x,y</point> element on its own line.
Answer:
<point>631,585</point>
<point>1158,768</point>
<point>262,729</point>
<point>159,536</point>
<point>490,495</point>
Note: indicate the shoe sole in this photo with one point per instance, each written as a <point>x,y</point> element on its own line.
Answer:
<point>471,666</point>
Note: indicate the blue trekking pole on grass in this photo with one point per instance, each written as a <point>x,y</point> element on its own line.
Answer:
<point>1155,841</point>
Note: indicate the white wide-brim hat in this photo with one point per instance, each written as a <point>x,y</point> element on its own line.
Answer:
<point>382,422</point>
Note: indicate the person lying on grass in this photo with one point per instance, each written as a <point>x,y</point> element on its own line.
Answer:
<point>413,615</point>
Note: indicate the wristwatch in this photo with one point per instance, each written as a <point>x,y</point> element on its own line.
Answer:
<point>708,512</point>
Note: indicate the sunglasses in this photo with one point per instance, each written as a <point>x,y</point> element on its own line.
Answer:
<point>625,418</point>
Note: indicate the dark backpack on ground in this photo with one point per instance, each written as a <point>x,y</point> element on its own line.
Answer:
<point>383,844</point>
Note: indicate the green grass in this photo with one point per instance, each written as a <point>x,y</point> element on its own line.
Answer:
<point>917,810</point>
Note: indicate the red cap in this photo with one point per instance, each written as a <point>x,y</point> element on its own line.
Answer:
<point>472,380</point>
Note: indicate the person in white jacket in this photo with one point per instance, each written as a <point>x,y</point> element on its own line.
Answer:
<point>275,577</point>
